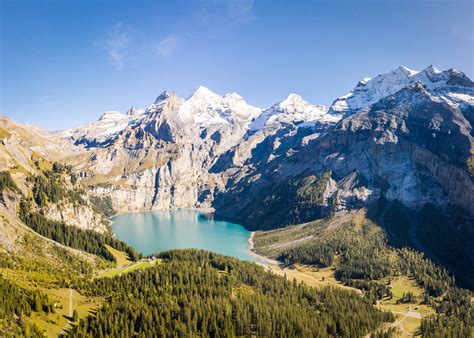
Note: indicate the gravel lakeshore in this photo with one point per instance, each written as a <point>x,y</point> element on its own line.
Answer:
<point>262,260</point>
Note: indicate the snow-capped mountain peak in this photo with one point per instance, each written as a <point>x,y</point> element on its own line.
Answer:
<point>202,93</point>
<point>164,96</point>
<point>134,112</point>
<point>112,115</point>
<point>370,90</point>
<point>206,108</point>
<point>407,71</point>
<point>293,103</point>
<point>100,131</point>
<point>431,70</point>
<point>292,110</point>
<point>233,95</point>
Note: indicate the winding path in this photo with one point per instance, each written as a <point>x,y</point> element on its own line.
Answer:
<point>63,331</point>
<point>404,315</point>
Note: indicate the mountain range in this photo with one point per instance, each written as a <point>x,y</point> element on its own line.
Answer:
<point>386,167</point>
<point>405,135</point>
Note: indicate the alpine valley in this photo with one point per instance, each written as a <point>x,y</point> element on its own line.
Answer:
<point>364,209</point>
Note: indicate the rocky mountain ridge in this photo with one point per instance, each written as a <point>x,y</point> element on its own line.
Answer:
<point>411,129</point>
<point>451,86</point>
<point>27,154</point>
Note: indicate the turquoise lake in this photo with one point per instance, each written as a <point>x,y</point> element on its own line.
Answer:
<point>154,231</point>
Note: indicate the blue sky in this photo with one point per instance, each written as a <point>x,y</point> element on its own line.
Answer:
<point>65,62</point>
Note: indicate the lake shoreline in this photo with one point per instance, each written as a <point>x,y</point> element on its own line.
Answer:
<point>124,213</point>
<point>261,260</point>
<point>160,230</point>
<point>253,256</point>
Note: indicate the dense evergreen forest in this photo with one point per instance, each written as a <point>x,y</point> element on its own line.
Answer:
<point>17,304</point>
<point>87,240</point>
<point>361,256</point>
<point>198,293</point>
<point>6,181</point>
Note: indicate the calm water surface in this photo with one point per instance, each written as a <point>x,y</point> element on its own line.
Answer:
<point>153,231</point>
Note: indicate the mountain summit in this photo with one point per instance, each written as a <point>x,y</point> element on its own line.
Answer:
<point>447,85</point>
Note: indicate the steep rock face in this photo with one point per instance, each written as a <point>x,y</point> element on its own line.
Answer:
<point>409,146</point>
<point>172,154</point>
<point>161,159</point>
<point>83,217</point>
<point>405,135</point>
<point>24,151</point>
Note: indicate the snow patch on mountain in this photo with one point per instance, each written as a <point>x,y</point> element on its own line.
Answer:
<point>445,84</point>
<point>100,131</point>
<point>292,110</point>
<point>206,108</point>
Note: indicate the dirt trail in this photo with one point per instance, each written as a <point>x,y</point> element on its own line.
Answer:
<point>63,331</point>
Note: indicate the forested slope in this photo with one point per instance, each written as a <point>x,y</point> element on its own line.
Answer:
<point>359,252</point>
<point>206,294</point>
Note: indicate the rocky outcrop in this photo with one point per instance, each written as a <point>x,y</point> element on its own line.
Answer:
<point>79,216</point>
<point>410,147</point>
<point>456,183</point>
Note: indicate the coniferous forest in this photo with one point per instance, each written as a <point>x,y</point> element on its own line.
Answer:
<point>364,257</point>
<point>198,293</point>
<point>87,240</point>
<point>17,304</point>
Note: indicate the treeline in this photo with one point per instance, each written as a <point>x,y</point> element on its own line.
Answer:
<point>362,253</point>
<point>290,202</point>
<point>361,256</point>
<point>51,187</point>
<point>197,293</point>
<point>16,304</point>
<point>86,240</point>
<point>6,181</point>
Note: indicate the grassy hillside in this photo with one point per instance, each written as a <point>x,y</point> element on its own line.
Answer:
<point>33,271</point>
<point>43,260</point>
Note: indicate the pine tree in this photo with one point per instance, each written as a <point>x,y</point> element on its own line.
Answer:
<point>75,316</point>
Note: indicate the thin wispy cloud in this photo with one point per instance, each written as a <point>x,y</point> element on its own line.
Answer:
<point>168,46</point>
<point>118,39</point>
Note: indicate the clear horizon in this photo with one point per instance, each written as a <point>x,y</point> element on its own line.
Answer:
<point>64,63</point>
